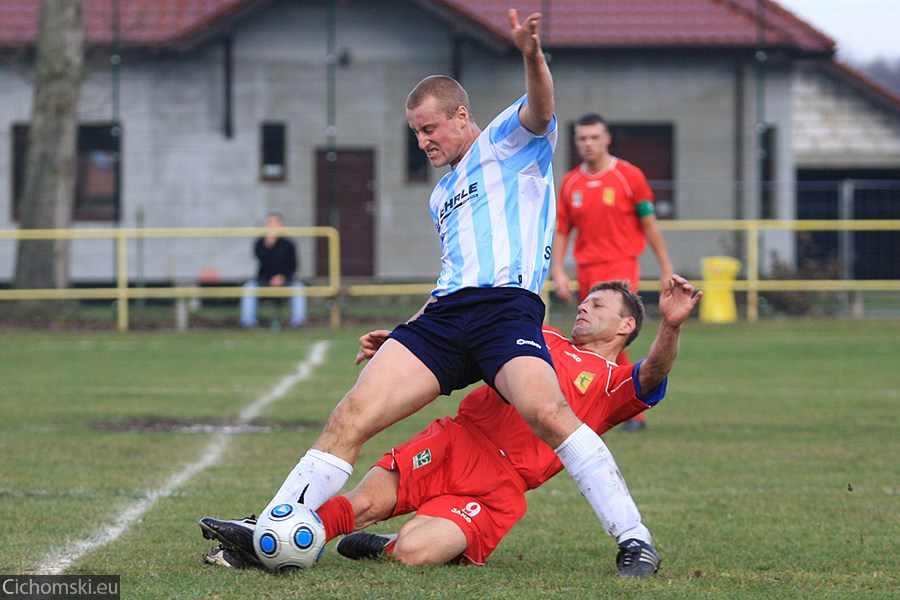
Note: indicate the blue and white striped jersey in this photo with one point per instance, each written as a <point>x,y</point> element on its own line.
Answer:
<point>495,211</point>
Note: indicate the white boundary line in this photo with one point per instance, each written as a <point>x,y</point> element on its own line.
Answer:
<point>58,561</point>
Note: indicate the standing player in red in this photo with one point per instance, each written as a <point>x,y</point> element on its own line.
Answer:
<point>609,204</point>
<point>465,477</point>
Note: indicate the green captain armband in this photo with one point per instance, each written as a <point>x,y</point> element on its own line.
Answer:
<point>644,208</point>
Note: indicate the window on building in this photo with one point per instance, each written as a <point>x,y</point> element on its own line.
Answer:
<point>416,161</point>
<point>20,149</point>
<point>650,147</point>
<point>98,171</point>
<point>273,165</point>
<point>767,173</point>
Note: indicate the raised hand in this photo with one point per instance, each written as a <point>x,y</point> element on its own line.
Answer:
<point>677,299</point>
<point>525,35</point>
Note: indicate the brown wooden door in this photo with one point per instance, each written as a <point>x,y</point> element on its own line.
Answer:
<point>345,198</point>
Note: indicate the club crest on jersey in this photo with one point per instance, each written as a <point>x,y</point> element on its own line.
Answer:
<point>609,196</point>
<point>583,381</point>
<point>422,458</point>
<point>576,199</point>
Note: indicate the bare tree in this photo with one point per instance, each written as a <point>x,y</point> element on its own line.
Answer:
<point>49,187</point>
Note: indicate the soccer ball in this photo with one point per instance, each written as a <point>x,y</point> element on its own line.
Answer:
<point>288,537</point>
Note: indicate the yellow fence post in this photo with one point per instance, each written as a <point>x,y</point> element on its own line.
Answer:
<point>334,278</point>
<point>753,271</point>
<point>122,280</point>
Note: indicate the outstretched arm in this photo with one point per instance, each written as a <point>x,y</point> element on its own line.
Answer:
<point>538,112</point>
<point>676,301</point>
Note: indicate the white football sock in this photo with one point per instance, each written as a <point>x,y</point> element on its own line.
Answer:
<point>592,466</point>
<point>316,478</point>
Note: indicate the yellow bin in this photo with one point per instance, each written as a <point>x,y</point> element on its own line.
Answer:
<point>717,304</point>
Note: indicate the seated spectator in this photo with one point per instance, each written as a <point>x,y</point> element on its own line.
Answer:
<point>277,258</point>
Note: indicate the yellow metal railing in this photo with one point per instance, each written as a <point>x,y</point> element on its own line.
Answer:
<point>752,284</point>
<point>122,292</point>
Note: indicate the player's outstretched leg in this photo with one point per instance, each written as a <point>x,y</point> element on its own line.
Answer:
<point>637,559</point>
<point>236,535</point>
<point>362,545</point>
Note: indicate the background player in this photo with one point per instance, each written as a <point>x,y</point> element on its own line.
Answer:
<point>609,204</point>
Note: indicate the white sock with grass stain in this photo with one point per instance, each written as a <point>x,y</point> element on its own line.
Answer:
<point>592,466</point>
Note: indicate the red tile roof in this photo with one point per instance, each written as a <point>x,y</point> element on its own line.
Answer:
<point>654,23</point>
<point>142,23</point>
<point>180,24</point>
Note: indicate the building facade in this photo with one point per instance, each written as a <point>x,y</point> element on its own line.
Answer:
<point>298,107</point>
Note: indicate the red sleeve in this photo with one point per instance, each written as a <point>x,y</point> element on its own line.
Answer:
<point>620,404</point>
<point>638,182</point>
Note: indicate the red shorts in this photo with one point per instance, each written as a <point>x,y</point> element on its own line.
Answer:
<point>627,269</point>
<point>448,471</point>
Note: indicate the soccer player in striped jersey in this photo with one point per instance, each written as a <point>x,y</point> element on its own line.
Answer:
<point>494,212</point>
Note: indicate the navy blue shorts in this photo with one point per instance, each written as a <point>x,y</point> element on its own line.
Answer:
<point>467,336</point>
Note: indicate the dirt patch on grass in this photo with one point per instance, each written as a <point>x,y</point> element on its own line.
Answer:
<point>156,425</point>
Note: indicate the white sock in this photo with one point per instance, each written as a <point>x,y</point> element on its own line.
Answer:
<point>316,478</point>
<point>592,466</point>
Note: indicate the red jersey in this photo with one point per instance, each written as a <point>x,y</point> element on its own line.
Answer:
<point>601,394</point>
<point>602,208</point>
<point>474,469</point>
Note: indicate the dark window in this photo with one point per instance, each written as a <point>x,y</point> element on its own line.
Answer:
<point>651,149</point>
<point>767,173</point>
<point>20,148</point>
<point>98,169</point>
<point>97,182</point>
<point>849,194</point>
<point>416,161</point>
<point>274,152</point>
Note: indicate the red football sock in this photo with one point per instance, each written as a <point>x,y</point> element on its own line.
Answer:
<point>337,516</point>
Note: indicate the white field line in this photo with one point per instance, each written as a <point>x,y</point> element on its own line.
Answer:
<point>59,560</point>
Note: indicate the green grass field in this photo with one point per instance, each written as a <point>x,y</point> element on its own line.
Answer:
<point>770,471</point>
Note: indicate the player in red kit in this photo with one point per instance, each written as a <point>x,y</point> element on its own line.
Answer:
<point>609,205</point>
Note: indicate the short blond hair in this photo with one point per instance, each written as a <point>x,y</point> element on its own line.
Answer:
<point>449,94</point>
